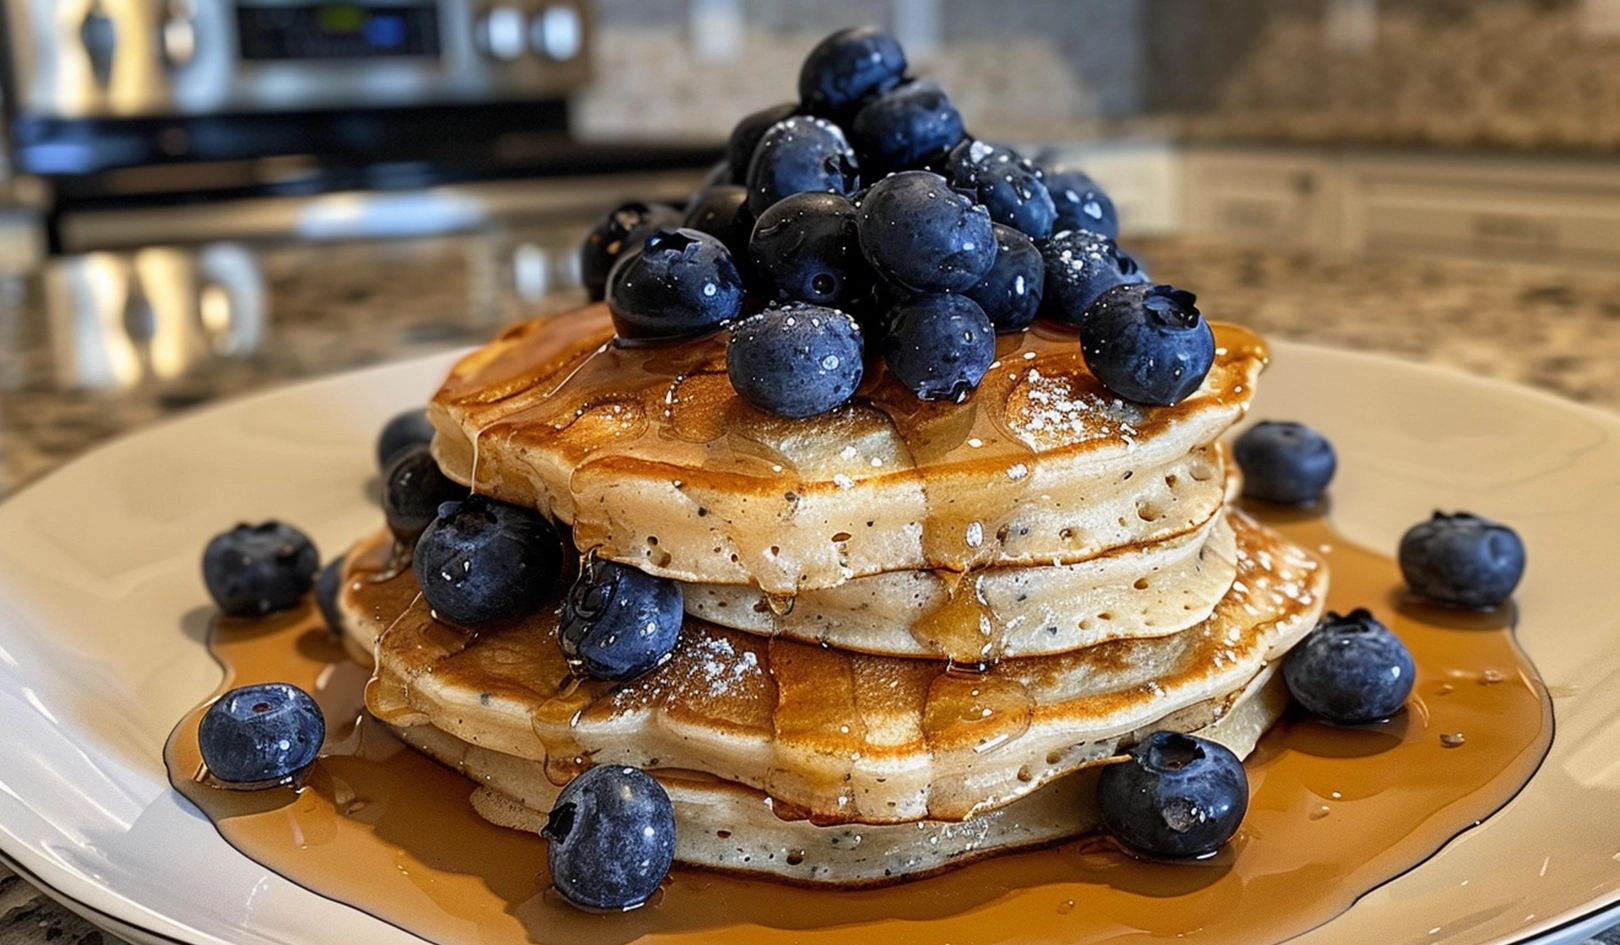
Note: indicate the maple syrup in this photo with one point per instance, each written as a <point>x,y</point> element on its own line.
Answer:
<point>1334,812</point>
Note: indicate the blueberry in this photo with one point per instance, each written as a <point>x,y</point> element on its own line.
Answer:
<point>1350,670</point>
<point>1147,343</point>
<point>412,490</point>
<point>618,622</point>
<point>403,430</point>
<point>912,126</point>
<point>253,570</point>
<point>483,560</point>
<point>611,838</point>
<point>680,284</point>
<point>1080,204</point>
<point>799,155</point>
<point>261,736</point>
<point>623,228</point>
<point>1008,185</point>
<point>807,248</point>
<point>722,212</point>
<point>939,346</point>
<point>1284,462</point>
<point>745,137</point>
<point>848,68</point>
<point>1462,560</point>
<point>923,236</point>
<point>1080,266</point>
<point>328,586</point>
<point>1178,796</point>
<point>1010,293</point>
<point>798,360</point>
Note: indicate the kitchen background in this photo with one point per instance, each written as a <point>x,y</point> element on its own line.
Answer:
<point>1436,180</point>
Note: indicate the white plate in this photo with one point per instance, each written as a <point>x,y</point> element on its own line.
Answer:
<point>102,614</point>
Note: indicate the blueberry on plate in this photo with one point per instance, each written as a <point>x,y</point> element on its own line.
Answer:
<point>848,68</point>
<point>611,838</point>
<point>624,227</point>
<point>745,137</point>
<point>1080,204</point>
<point>1285,462</point>
<point>1080,266</point>
<point>328,585</point>
<point>799,155</point>
<point>1147,343</point>
<point>798,360</point>
<point>404,429</point>
<point>1178,796</point>
<point>413,488</point>
<point>909,127</point>
<point>923,236</point>
<point>1010,293</point>
<point>253,570</point>
<point>1008,185</point>
<point>482,559</point>
<point>722,212</point>
<point>1350,669</point>
<point>1462,560</point>
<point>260,736</point>
<point>679,284</point>
<point>939,346</point>
<point>618,622</point>
<point>807,248</point>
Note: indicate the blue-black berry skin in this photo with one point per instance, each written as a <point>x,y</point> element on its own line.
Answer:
<point>1008,186</point>
<point>1010,293</point>
<point>924,237</point>
<point>807,248</point>
<point>1350,670</point>
<point>1462,560</point>
<point>745,137</point>
<point>261,736</point>
<point>848,68</point>
<point>1178,796</point>
<point>611,838</point>
<point>401,431</point>
<point>722,212</point>
<point>625,227</point>
<point>680,284</point>
<point>798,360</point>
<point>799,155</point>
<point>912,126</point>
<point>939,346</point>
<point>483,560</point>
<point>1080,266</point>
<point>412,490</point>
<point>618,622</point>
<point>253,570</point>
<point>328,586</point>
<point>1148,343</point>
<point>1285,462</point>
<point>1080,204</point>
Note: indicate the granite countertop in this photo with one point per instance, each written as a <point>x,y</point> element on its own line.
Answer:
<point>79,366</point>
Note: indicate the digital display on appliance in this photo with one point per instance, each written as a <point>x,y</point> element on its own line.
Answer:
<point>337,31</point>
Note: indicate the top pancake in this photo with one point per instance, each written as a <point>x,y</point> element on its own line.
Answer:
<point>653,460</point>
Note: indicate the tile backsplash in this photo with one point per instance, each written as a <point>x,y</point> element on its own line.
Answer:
<point>1498,73</point>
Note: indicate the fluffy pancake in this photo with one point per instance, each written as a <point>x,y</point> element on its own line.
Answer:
<point>842,737</point>
<point>652,460</point>
<point>723,825</point>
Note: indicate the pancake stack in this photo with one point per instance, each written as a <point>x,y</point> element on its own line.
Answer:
<point>914,629</point>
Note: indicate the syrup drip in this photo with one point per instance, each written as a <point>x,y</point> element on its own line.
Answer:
<point>1333,811</point>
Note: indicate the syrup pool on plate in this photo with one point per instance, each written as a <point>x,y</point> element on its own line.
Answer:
<point>1334,812</point>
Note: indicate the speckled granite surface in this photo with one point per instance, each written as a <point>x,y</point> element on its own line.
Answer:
<point>335,307</point>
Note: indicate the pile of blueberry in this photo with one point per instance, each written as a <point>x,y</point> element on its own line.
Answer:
<point>861,223</point>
